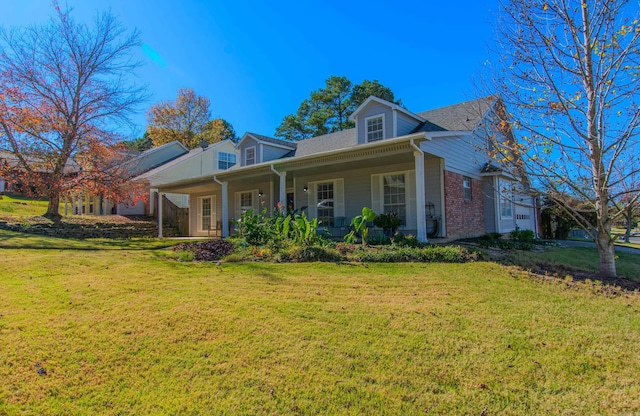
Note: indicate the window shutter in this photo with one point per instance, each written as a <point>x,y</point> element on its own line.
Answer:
<point>255,202</point>
<point>410,183</point>
<point>338,198</point>
<point>376,194</point>
<point>237,205</point>
<point>311,201</point>
<point>199,213</point>
<point>214,211</point>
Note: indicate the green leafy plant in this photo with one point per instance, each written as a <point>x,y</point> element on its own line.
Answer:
<point>303,231</point>
<point>525,236</point>
<point>359,225</point>
<point>389,222</point>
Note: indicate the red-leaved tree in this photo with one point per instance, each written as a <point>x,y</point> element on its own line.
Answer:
<point>64,95</point>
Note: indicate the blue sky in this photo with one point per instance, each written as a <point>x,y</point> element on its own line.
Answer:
<point>258,60</point>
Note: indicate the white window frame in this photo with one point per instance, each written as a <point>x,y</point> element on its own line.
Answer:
<point>366,127</point>
<point>467,189</point>
<point>246,158</point>
<point>333,201</point>
<point>226,154</point>
<point>212,213</point>
<point>506,199</point>
<point>245,208</point>
<point>406,195</point>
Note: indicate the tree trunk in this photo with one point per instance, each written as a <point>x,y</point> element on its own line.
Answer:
<point>53,209</point>
<point>606,250</point>
<point>628,219</point>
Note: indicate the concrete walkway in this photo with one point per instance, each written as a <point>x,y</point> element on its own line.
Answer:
<point>574,243</point>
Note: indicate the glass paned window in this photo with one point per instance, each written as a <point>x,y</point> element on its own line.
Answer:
<point>395,196</point>
<point>226,160</point>
<point>246,201</point>
<point>506,201</point>
<point>206,213</point>
<point>466,186</point>
<point>375,129</point>
<point>325,204</point>
<point>249,155</point>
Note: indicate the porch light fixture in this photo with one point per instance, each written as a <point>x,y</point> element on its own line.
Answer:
<point>305,188</point>
<point>259,194</point>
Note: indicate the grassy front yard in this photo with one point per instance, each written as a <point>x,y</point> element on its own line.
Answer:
<point>128,331</point>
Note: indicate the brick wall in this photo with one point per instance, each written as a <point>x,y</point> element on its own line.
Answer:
<point>463,218</point>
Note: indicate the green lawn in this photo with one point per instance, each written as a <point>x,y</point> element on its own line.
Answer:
<point>130,332</point>
<point>628,265</point>
<point>22,207</point>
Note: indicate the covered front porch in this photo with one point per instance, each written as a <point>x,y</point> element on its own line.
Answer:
<point>391,176</point>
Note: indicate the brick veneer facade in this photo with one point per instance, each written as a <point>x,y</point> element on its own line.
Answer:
<point>463,218</point>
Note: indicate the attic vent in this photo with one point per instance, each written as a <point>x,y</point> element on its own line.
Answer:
<point>204,144</point>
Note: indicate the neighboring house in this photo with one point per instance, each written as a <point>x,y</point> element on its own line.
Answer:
<point>430,168</point>
<point>191,174</point>
<point>81,203</point>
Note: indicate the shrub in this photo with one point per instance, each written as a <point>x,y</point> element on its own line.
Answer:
<point>388,222</point>
<point>525,236</point>
<point>429,254</point>
<point>205,250</point>
<point>345,248</point>
<point>381,240</point>
<point>401,240</point>
<point>313,253</point>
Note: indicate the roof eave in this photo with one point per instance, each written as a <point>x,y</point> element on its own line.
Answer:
<point>381,143</point>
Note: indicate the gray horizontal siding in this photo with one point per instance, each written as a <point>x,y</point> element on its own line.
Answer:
<point>405,124</point>
<point>463,155</point>
<point>374,109</point>
<point>272,153</point>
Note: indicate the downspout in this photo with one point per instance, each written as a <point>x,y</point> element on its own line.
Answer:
<point>225,206</point>
<point>283,188</point>
<point>421,215</point>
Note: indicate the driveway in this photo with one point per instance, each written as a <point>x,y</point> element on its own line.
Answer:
<point>619,249</point>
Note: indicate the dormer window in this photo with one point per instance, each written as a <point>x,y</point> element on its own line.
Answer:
<point>375,128</point>
<point>226,160</point>
<point>249,156</point>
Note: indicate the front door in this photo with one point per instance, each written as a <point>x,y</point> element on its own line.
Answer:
<point>206,213</point>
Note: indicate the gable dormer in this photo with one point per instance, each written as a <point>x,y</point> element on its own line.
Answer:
<point>378,119</point>
<point>255,148</point>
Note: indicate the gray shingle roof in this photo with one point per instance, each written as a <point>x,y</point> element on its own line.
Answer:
<point>462,116</point>
<point>326,143</point>
<point>273,140</point>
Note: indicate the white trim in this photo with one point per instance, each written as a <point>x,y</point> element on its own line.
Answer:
<point>410,210</point>
<point>366,127</point>
<point>261,153</point>
<point>213,215</point>
<point>388,104</point>
<point>217,165</point>
<point>254,156</point>
<point>356,147</point>
<point>395,122</point>
<point>250,135</point>
<point>443,203</point>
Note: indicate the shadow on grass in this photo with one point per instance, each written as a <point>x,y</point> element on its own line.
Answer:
<point>15,240</point>
<point>562,264</point>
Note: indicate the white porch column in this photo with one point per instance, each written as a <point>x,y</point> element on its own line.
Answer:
<point>80,204</point>
<point>225,209</point>
<point>421,214</point>
<point>283,192</point>
<point>74,205</point>
<point>283,188</point>
<point>160,195</point>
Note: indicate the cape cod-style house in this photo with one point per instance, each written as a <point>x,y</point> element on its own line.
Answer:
<point>431,168</point>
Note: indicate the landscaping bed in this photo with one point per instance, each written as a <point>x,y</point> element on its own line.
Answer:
<point>82,226</point>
